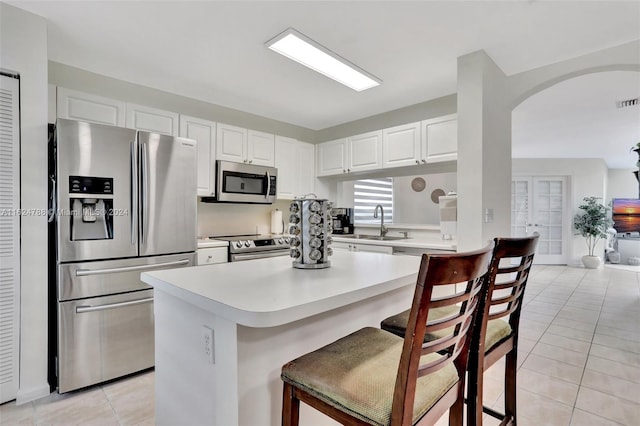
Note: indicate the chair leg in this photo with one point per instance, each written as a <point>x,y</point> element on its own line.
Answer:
<point>510,373</point>
<point>290,406</point>
<point>456,411</point>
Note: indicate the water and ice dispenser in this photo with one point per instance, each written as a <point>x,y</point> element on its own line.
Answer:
<point>91,208</point>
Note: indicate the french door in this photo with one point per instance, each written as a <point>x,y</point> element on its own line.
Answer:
<point>539,204</point>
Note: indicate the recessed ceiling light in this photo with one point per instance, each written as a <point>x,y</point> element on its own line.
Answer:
<point>300,48</point>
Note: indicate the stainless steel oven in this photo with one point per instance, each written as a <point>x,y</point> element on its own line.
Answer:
<point>244,183</point>
<point>249,247</point>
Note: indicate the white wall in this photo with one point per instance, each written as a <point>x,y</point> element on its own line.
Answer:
<point>237,219</point>
<point>587,178</point>
<point>622,184</point>
<point>414,207</point>
<point>23,49</point>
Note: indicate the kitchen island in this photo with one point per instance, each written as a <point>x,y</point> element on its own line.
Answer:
<point>261,313</point>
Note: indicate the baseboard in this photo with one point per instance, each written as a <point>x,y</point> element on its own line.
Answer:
<point>27,395</point>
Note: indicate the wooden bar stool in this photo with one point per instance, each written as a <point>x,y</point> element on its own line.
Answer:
<point>495,333</point>
<point>374,377</point>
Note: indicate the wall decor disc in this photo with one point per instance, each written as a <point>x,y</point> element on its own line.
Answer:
<point>436,194</point>
<point>418,184</point>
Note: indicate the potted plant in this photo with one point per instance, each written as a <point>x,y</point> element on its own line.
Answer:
<point>592,224</point>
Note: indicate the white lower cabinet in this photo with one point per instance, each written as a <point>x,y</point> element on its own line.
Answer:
<point>210,256</point>
<point>362,247</point>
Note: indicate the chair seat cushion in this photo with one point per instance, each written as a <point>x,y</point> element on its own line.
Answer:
<point>497,329</point>
<point>357,375</point>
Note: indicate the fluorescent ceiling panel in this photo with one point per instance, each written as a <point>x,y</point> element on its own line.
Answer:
<point>302,49</point>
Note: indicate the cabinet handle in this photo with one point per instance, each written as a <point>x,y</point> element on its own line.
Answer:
<point>424,161</point>
<point>344,171</point>
<point>244,161</point>
<point>417,162</point>
<point>348,170</point>
<point>250,161</point>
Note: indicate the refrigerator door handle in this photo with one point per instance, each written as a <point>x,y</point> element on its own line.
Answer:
<point>134,193</point>
<point>268,185</point>
<point>83,309</point>
<point>85,272</point>
<point>145,192</point>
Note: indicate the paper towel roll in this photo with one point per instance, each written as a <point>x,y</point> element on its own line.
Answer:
<point>276,222</point>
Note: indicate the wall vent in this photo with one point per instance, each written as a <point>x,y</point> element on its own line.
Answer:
<point>628,102</point>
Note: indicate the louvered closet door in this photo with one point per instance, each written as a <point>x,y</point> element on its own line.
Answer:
<point>9,237</point>
<point>539,204</point>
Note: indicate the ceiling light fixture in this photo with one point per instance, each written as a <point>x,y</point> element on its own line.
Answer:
<point>300,48</point>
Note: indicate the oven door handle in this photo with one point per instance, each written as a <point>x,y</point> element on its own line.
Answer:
<point>262,255</point>
<point>84,309</point>
<point>85,272</point>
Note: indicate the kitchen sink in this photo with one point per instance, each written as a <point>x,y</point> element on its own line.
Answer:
<point>372,237</point>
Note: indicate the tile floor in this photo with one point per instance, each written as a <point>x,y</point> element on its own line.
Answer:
<point>579,361</point>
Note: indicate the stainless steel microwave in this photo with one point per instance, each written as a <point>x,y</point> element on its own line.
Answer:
<point>244,183</point>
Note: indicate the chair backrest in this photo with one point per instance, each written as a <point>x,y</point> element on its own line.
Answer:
<point>507,280</point>
<point>467,269</point>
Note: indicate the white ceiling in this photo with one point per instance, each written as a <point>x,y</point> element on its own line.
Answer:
<point>214,51</point>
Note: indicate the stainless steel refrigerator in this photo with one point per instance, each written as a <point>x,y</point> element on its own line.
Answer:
<point>125,202</point>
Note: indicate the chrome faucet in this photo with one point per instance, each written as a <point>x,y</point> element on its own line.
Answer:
<point>383,229</point>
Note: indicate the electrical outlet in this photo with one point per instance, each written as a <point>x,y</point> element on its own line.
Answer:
<point>208,344</point>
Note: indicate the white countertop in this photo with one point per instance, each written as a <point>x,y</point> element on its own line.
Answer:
<point>270,292</point>
<point>207,243</point>
<point>421,243</point>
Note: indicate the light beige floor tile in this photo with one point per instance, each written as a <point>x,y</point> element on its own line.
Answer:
<point>583,418</point>
<point>567,356</point>
<point>566,342</point>
<point>624,334</point>
<point>82,407</point>
<point>607,406</point>
<point>133,399</point>
<point>553,368</point>
<point>12,414</point>
<point>617,342</point>
<point>547,386</point>
<point>534,316</point>
<point>614,354</point>
<point>525,345</point>
<point>613,368</point>
<point>536,410</point>
<point>560,330</point>
<point>578,325</point>
<point>611,385</point>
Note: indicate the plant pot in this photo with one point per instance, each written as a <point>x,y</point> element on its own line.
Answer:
<point>591,262</point>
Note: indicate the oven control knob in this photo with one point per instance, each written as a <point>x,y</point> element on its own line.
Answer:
<point>280,240</point>
<point>247,243</point>
<point>287,240</point>
<point>238,244</point>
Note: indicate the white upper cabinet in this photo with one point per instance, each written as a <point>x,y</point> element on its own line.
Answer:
<point>295,163</point>
<point>332,157</point>
<point>287,165</point>
<point>204,132</point>
<point>231,143</point>
<point>440,139</point>
<point>82,106</point>
<point>306,171</point>
<point>365,152</point>
<point>260,148</point>
<point>401,146</point>
<point>152,119</point>
<point>245,146</point>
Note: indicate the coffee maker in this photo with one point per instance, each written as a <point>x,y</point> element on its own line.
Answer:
<point>342,220</point>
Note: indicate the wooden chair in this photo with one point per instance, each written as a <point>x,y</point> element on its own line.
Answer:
<point>495,332</point>
<point>374,377</point>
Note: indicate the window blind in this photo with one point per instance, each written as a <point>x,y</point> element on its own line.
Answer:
<point>367,194</point>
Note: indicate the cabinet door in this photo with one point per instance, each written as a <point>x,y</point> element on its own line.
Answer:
<point>204,132</point>
<point>82,106</point>
<point>373,249</point>
<point>287,165</point>
<point>152,119</point>
<point>210,256</point>
<point>365,151</point>
<point>401,145</point>
<point>440,139</point>
<point>231,143</point>
<point>260,148</point>
<point>332,157</point>
<point>306,175</point>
